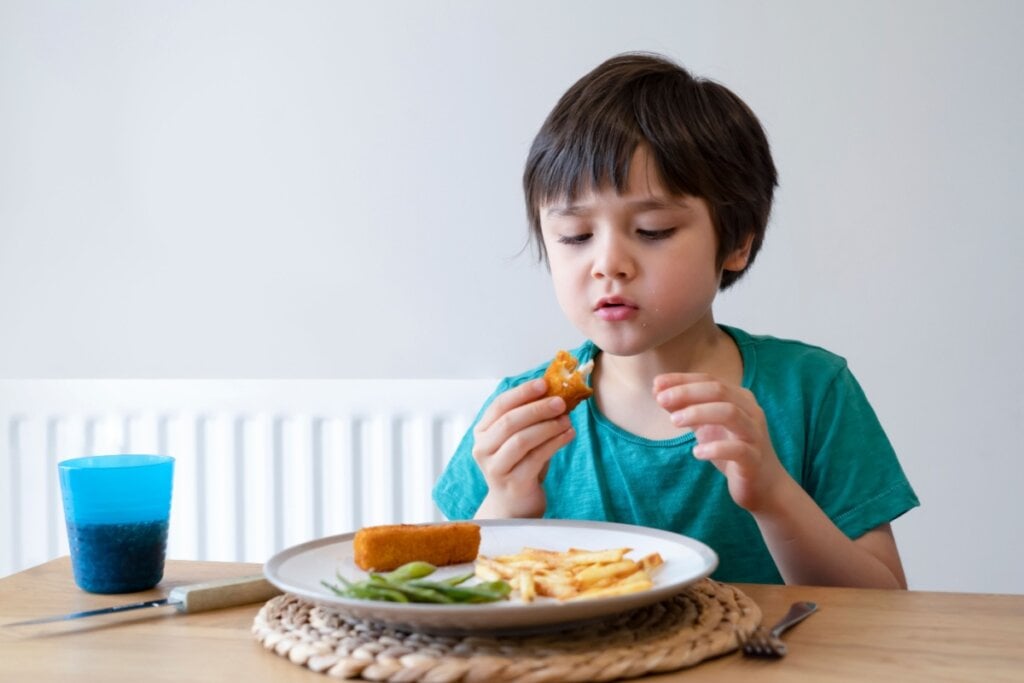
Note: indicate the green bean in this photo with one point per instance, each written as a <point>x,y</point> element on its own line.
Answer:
<point>418,593</point>
<point>483,592</point>
<point>407,584</point>
<point>425,592</point>
<point>456,580</point>
<point>371,591</point>
<point>368,591</point>
<point>412,570</point>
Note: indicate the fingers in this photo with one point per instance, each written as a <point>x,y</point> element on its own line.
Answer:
<point>709,433</point>
<point>727,415</point>
<point>677,391</point>
<point>529,449</point>
<point>533,467</point>
<point>715,410</point>
<point>731,430</point>
<point>671,379</point>
<point>724,449</point>
<point>674,391</point>
<point>512,416</point>
<point>519,433</point>
<point>511,399</point>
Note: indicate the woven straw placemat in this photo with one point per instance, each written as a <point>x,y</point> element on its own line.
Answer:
<point>699,623</point>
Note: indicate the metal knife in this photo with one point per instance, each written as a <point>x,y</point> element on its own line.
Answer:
<point>196,597</point>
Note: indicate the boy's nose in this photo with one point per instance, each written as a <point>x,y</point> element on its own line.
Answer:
<point>613,260</point>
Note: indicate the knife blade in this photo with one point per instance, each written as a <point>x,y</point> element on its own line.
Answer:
<point>196,597</point>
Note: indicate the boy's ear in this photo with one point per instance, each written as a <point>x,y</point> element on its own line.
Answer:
<point>739,258</point>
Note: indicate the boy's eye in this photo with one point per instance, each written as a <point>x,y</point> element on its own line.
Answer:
<point>573,239</point>
<point>655,235</point>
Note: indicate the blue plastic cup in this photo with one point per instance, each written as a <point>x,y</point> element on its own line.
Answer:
<point>116,508</point>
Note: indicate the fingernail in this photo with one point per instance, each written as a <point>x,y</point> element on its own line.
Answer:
<point>556,403</point>
<point>678,418</point>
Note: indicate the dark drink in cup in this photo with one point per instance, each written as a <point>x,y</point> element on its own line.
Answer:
<point>118,558</point>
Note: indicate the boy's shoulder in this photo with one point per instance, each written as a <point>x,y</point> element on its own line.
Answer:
<point>767,352</point>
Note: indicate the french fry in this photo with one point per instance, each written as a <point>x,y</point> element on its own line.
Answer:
<point>651,562</point>
<point>523,560</point>
<point>555,586</point>
<point>549,556</point>
<point>487,573</point>
<point>576,574</point>
<point>527,586</point>
<point>611,591</point>
<point>492,568</point>
<point>594,573</point>
<point>596,557</point>
<point>638,576</point>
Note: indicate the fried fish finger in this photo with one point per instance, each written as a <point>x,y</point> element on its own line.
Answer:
<point>387,547</point>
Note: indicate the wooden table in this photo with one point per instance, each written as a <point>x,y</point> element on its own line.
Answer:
<point>857,635</point>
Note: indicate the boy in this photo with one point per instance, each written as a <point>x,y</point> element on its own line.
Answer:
<point>649,191</point>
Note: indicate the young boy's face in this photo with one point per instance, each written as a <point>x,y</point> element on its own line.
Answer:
<point>634,271</point>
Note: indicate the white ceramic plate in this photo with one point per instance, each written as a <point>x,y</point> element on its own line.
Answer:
<point>300,569</point>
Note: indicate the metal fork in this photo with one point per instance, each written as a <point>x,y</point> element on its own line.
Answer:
<point>760,642</point>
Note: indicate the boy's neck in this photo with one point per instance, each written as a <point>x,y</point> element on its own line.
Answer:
<point>709,350</point>
<point>623,384</point>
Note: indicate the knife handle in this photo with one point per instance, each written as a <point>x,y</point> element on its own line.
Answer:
<point>200,597</point>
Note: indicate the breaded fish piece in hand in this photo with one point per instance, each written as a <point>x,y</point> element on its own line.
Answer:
<point>567,378</point>
<point>387,547</point>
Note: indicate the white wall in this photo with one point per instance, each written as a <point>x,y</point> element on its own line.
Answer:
<point>331,189</point>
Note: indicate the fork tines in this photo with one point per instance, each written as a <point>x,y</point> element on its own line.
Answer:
<point>760,644</point>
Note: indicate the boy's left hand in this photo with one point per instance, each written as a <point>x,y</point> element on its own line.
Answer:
<point>731,432</point>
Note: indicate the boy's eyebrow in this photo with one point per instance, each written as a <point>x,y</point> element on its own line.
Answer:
<point>650,204</point>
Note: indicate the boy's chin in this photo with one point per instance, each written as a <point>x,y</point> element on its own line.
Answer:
<point>621,347</point>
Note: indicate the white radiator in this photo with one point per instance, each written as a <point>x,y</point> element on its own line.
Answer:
<point>260,464</point>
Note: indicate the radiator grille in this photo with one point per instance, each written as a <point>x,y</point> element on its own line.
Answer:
<point>247,482</point>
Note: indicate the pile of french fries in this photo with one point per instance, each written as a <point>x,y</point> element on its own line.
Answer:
<point>572,575</point>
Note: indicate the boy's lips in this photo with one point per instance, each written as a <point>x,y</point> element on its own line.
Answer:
<point>615,308</point>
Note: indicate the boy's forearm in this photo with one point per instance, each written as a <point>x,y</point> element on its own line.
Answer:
<point>808,548</point>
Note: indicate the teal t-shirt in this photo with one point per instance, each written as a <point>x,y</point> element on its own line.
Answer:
<point>822,427</point>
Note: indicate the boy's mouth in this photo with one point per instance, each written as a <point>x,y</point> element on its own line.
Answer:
<point>615,308</point>
<point>614,302</point>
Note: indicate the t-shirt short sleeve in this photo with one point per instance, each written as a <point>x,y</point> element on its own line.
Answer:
<point>461,488</point>
<point>853,472</point>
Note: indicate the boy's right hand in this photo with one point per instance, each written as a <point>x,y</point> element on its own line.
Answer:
<point>512,444</point>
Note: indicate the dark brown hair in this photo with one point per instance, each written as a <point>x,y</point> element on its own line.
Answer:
<point>704,141</point>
